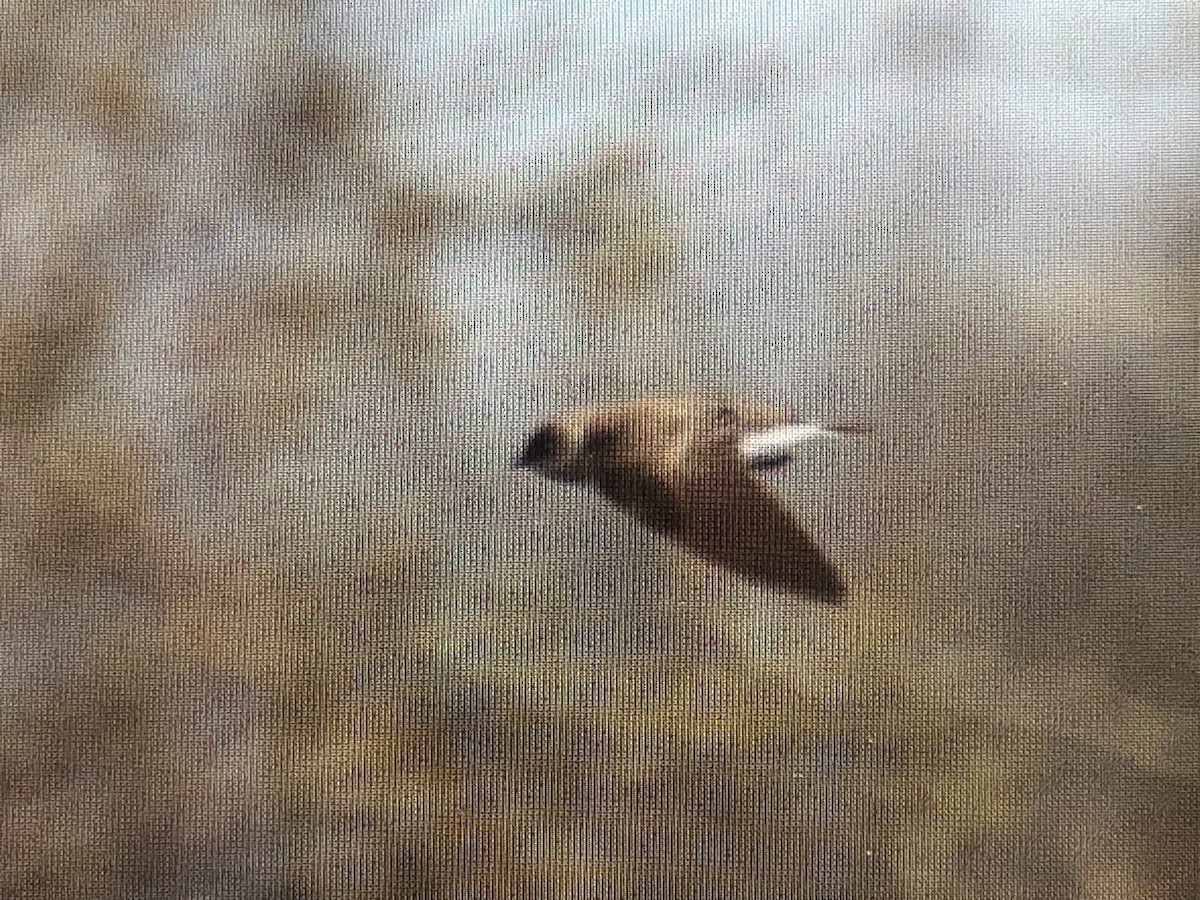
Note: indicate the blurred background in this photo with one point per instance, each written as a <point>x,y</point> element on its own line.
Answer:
<point>288,283</point>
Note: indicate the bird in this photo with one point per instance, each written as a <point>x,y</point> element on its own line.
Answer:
<point>689,467</point>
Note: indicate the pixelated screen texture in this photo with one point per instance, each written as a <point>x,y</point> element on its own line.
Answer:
<point>286,289</point>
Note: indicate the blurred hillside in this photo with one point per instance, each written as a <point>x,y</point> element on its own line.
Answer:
<point>288,283</point>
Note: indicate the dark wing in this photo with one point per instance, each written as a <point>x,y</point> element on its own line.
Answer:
<point>729,516</point>
<point>628,463</point>
<point>644,492</point>
<point>693,485</point>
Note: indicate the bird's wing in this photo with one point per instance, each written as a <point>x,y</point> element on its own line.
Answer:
<point>697,488</point>
<point>728,515</point>
<point>634,470</point>
<point>644,491</point>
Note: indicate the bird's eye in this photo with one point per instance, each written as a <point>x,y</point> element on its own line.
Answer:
<point>540,447</point>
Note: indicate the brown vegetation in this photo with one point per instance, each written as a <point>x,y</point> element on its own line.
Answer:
<point>245,650</point>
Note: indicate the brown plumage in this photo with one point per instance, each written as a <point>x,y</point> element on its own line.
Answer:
<point>686,467</point>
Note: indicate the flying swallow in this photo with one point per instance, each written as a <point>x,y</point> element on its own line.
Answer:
<point>688,467</point>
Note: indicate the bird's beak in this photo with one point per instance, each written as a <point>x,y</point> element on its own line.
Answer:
<point>537,450</point>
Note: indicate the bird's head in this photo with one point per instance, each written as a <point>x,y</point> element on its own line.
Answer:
<point>571,448</point>
<point>541,450</point>
<point>551,451</point>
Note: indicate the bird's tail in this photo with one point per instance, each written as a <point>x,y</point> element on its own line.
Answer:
<point>775,446</point>
<point>843,427</point>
